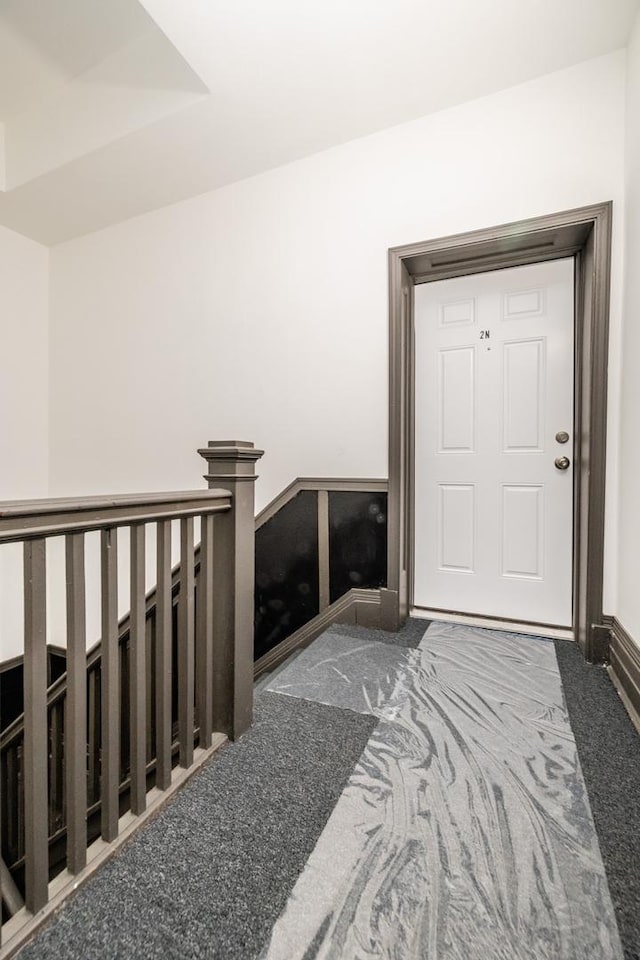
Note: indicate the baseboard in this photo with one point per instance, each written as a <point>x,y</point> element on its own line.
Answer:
<point>624,669</point>
<point>389,610</point>
<point>361,607</point>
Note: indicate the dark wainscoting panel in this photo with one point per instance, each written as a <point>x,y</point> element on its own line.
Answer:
<point>11,694</point>
<point>357,541</point>
<point>287,582</point>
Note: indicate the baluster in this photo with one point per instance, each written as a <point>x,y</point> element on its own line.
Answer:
<point>35,726</point>
<point>137,673</point>
<point>205,632</point>
<point>93,736</point>
<point>163,655</point>
<point>10,893</point>
<point>16,810</point>
<point>110,687</point>
<point>56,766</point>
<point>186,644</point>
<point>75,736</point>
<point>323,550</point>
<point>149,630</point>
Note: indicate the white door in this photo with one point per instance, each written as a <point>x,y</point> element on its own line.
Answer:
<point>493,397</point>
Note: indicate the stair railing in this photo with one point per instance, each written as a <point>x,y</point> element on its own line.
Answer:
<point>217,702</point>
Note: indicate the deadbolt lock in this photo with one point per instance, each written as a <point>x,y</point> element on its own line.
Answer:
<point>562,436</point>
<point>562,463</point>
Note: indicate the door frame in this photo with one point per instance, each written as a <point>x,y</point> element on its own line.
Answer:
<point>585,234</point>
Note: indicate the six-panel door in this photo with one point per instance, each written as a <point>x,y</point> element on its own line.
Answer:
<point>493,388</point>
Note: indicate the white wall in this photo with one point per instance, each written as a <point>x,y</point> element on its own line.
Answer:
<point>628,608</point>
<point>23,404</point>
<point>259,311</point>
<point>3,165</point>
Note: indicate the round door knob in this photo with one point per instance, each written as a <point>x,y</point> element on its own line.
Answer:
<point>562,463</point>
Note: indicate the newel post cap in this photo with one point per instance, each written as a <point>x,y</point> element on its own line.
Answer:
<point>230,460</point>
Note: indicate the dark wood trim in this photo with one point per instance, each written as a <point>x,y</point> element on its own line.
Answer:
<point>400,427</point>
<point>356,606</point>
<point>586,234</point>
<point>389,610</point>
<point>11,664</point>
<point>53,649</point>
<point>624,669</point>
<point>327,484</point>
<point>57,650</point>
<point>593,426</point>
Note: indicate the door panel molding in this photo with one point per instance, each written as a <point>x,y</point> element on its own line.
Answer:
<point>584,233</point>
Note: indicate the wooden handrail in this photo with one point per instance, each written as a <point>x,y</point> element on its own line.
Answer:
<point>34,521</point>
<point>214,673</point>
<point>57,689</point>
<point>30,519</point>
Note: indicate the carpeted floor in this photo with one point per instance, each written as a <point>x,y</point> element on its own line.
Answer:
<point>609,750</point>
<point>465,829</point>
<point>211,873</point>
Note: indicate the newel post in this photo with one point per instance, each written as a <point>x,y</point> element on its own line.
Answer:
<point>231,466</point>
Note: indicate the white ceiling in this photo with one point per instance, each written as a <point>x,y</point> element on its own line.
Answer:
<point>158,104</point>
<point>45,43</point>
<point>76,75</point>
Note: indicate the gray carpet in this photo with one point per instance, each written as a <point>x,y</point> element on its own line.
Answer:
<point>609,751</point>
<point>209,876</point>
<point>465,830</point>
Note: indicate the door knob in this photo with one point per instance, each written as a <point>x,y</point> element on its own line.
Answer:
<point>562,463</point>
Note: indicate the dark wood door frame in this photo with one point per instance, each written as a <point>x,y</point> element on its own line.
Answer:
<point>585,234</point>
